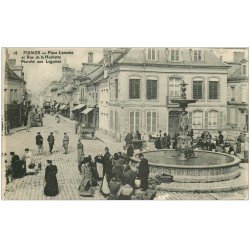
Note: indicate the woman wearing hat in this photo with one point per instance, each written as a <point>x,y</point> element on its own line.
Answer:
<point>28,158</point>
<point>51,187</point>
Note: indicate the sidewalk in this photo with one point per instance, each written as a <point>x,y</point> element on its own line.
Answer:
<point>14,130</point>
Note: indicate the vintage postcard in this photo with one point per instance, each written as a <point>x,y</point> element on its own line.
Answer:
<point>125,123</point>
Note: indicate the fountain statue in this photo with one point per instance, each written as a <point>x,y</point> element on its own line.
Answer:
<point>185,142</point>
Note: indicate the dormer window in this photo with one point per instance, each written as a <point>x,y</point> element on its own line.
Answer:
<point>175,55</point>
<point>197,55</point>
<point>152,54</point>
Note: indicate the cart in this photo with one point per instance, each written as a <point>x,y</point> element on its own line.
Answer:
<point>86,132</point>
<point>37,120</point>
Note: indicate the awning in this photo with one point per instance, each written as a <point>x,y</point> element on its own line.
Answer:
<point>79,106</point>
<point>67,106</point>
<point>87,110</point>
<point>63,106</point>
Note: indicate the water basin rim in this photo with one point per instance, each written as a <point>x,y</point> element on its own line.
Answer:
<point>233,163</point>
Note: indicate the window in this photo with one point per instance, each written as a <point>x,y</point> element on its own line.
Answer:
<point>233,93</point>
<point>111,120</point>
<point>116,120</point>
<point>175,55</point>
<point>197,55</point>
<point>134,121</point>
<point>197,120</point>
<point>213,119</point>
<point>244,69</point>
<point>232,115</point>
<point>152,54</point>
<point>197,89</point>
<point>134,88</point>
<point>5,96</point>
<point>11,95</point>
<point>151,89</point>
<point>15,95</point>
<point>244,92</point>
<point>214,90</point>
<point>151,122</point>
<point>82,93</point>
<point>116,88</point>
<point>174,87</point>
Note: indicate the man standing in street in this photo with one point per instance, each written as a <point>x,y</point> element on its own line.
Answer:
<point>39,143</point>
<point>76,127</point>
<point>143,172</point>
<point>107,166</point>
<point>51,141</point>
<point>66,143</point>
<point>80,150</point>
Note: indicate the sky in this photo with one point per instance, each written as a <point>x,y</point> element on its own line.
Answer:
<point>40,75</point>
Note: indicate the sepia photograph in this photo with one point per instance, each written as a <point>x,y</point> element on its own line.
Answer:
<point>167,123</point>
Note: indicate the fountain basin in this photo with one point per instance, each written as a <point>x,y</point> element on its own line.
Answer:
<point>207,166</point>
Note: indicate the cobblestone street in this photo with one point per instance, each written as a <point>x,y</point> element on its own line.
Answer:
<point>31,187</point>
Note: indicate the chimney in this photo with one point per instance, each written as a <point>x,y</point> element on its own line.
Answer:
<point>90,57</point>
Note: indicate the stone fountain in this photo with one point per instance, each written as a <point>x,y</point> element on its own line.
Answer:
<point>185,142</point>
<point>185,164</point>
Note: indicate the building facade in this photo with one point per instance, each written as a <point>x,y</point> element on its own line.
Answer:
<point>237,93</point>
<point>16,97</point>
<point>143,82</point>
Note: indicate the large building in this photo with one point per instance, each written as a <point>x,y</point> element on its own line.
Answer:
<point>15,97</point>
<point>142,82</point>
<point>237,93</point>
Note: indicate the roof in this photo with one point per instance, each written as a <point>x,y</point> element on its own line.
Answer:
<point>138,56</point>
<point>11,75</point>
<point>235,73</point>
<point>97,75</point>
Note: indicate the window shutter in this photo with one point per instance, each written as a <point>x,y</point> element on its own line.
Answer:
<point>206,119</point>
<point>190,119</point>
<point>220,120</point>
<point>154,122</point>
<point>131,121</point>
<point>149,121</point>
<point>191,53</point>
<point>202,55</point>
<point>111,119</point>
<point>130,89</point>
<point>137,120</point>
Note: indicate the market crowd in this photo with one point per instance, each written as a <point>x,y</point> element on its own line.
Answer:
<point>113,175</point>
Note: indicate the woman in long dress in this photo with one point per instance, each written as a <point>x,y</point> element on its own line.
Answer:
<point>99,165</point>
<point>30,167</point>
<point>51,187</point>
<point>17,171</point>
